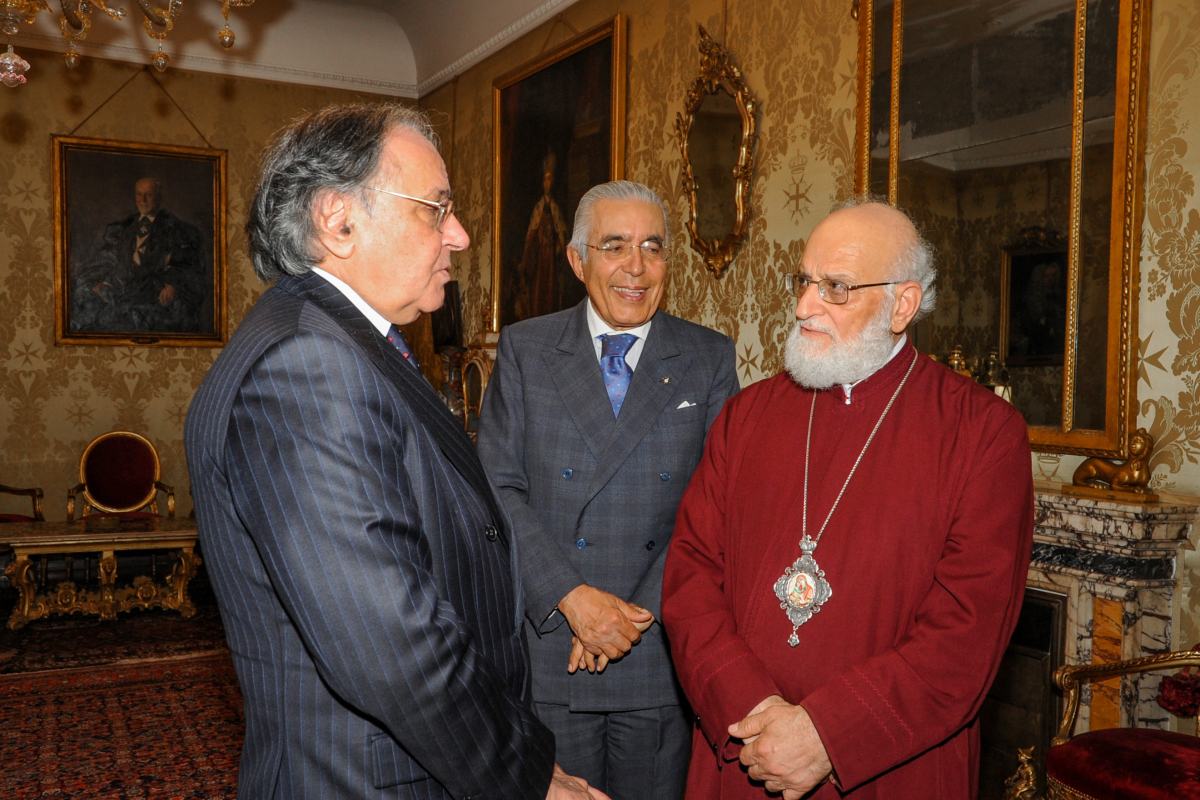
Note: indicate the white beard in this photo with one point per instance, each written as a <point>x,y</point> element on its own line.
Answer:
<point>842,362</point>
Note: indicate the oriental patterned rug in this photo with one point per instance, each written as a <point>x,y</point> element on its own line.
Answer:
<point>167,729</point>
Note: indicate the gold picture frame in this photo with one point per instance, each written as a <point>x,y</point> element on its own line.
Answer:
<point>718,74</point>
<point>558,128</point>
<point>139,244</point>
<point>881,27</point>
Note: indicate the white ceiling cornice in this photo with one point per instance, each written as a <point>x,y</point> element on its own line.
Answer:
<point>498,40</point>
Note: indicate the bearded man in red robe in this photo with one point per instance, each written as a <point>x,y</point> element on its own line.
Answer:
<point>849,560</point>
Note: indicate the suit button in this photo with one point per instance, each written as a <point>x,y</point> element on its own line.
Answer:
<point>650,545</point>
<point>666,476</point>
<point>581,543</point>
<point>490,533</point>
<point>567,473</point>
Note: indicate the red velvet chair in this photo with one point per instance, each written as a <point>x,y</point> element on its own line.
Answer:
<point>119,476</point>
<point>33,494</point>
<point>1121,763</point>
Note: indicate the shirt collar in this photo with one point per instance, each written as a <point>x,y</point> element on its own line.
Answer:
<point>374,317</point>
<point>597,327</point>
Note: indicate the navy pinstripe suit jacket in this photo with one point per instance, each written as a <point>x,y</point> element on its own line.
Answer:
<point>365,573</point>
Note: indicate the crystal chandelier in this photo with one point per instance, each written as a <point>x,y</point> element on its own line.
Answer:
<point>77,20</point>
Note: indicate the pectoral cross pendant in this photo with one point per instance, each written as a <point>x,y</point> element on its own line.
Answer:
<point>802,589</point>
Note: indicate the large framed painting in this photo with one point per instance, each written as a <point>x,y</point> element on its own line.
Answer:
<point>558,130</point>
<point>1033,299</point>
<point>139,244</point>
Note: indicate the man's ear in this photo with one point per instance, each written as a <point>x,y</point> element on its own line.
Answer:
<point>908,303</point>
<point>333,217</point>
<point>576,262</point>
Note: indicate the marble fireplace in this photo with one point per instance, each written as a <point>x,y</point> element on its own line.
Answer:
<point>1109,580</point>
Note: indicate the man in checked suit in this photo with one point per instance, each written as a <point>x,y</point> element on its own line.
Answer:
<point>365,572</point>
<point>593,422</point>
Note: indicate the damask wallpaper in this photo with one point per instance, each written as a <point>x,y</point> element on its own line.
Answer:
<point>54,400</point>
<point>799,58</point>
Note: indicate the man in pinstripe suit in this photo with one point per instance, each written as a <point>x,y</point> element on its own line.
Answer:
<point>365,572</point>
<point>591,450</point>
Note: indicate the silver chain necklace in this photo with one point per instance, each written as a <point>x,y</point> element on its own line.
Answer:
<point>802,589</point>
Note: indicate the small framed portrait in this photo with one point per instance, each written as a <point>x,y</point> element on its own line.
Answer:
<point>139,244</point>
<point>1033,300</point>
<point>558,130</point>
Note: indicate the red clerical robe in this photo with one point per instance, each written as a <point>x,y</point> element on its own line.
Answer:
<point>926,556</point>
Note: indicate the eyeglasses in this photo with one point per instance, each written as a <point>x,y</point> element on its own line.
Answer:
<point>834,292</point>
<point>616,252</point>
<point>444,208</point>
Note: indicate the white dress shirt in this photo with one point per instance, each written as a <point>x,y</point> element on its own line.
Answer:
<point>598,327</point>
<point>375,318</point>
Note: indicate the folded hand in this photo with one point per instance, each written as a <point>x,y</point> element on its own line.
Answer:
<point>782,748</point>
<point>581,658</point>
<point>604,624</point>
<point>566,787</point>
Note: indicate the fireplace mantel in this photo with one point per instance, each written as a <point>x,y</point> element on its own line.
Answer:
<point>1119,565</point>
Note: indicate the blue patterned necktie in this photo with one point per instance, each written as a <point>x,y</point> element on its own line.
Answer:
<point>397,338</point>
<point>616,372</point>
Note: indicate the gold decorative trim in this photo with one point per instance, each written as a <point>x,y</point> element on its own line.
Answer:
<point>106,601</point>
<point>1059,791</point>
<point>614,28</point>
<point>894,119</point>
<point>1073,226</point>
<point>718,73</point>
<point>862,126</point>
<point>1069,679</point>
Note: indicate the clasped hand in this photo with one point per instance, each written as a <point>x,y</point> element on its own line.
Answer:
<point>567,787</point>
<point>605,627</point>
<point>782,748</point>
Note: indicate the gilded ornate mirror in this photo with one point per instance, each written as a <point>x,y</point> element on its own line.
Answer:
<point>716,134</point>
<point>1012,130</point>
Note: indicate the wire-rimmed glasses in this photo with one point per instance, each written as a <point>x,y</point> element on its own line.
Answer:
<point>617,252</point>
<point>444,209</point>
<point>831,291</point>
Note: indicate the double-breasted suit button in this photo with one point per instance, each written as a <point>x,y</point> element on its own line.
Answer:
<point>650,545</point>
<point>490,533</point>
<point>666,476</point>
<point>581,543</point>
<point>567,473</point>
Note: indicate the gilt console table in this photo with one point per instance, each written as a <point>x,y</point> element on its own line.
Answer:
<point>106,536</point>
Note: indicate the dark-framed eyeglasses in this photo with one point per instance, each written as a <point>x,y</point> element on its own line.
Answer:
<point>444,209</point>
<point>831,291</point>
<point>617,252</point>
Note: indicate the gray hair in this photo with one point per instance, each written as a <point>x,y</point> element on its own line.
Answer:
<point>915,261</point>
<point>613,190</point>
<point>337,149</point>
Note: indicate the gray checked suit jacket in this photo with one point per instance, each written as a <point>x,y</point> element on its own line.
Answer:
<point>593,498</point>
<point>363,567</point>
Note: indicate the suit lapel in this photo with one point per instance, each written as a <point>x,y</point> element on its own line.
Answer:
<point>576,374</point>
<point>420,396</point>
<point>658,376</point>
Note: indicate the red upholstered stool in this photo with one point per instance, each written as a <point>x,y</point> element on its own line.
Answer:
<point>119,476</point>
<point>1126,764</point>
<point>1121,763</point>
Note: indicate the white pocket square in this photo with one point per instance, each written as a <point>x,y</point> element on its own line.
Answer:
<point>684,404</point>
